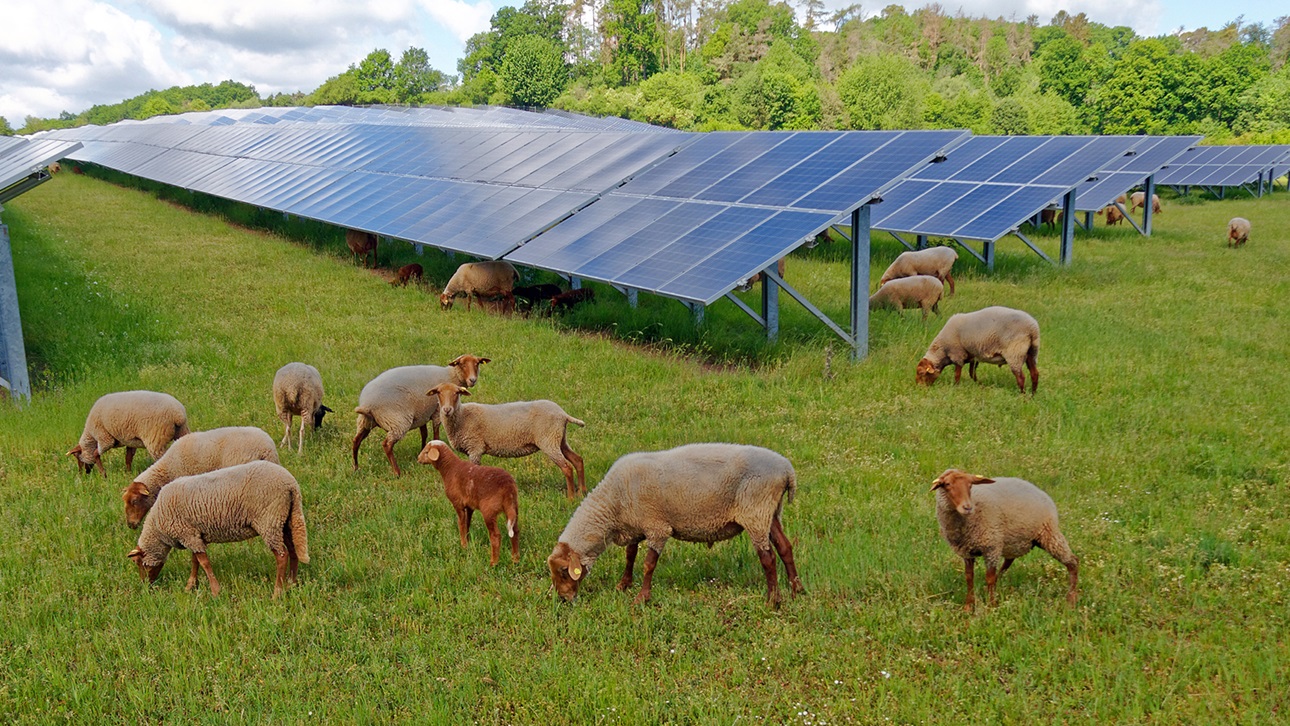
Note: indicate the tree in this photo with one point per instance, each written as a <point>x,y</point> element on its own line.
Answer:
<point>533,73</point>
<point>375,78</point>
<point>631,34</point>
<point>1265,106</point>
<point>1010,118</point>
<point>883,92</point>
<point>1135,100</point>
<point>157,106</point>
<point>341,90</point>
<point>5,128</point>
<point>414,77</point>
<point>1063,70</point>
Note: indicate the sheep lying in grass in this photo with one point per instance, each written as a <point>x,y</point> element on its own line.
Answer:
<point>993,335</point>
<point>396,401</point>
<point>999,522</point>
<point>406,274</point>
<point>298,391</point>
<point>228,505</point>
<point>133,419</point>
<point>509,430</point>
<point>1238,231</point>
<point>361,244</point>
<point>197,453</point>
<point>489,490</point>
<point>695,493</point>
<point>921,291</point>
<point>494,278</point>
<point>935,261</point>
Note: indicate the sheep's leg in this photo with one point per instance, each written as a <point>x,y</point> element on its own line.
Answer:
<point>388,445</point>
<point>991,578</point>
<point>494,540</point>
<point>651,560</point>
<point>98,461</point>
<point>785,550</point>
<point>280,555</point>
<point>1055,545</point>
<point>129,459</point>
<point>969,573</point>
<point>767,558</point>
<point>573,456</point>
<point>1032,362</point>
<point>286,433</point>
<point>424,432</point>
<point>950,279</point>
<point>205,562</point>
<point>512,513</point>
<point>364,429</point>
<point>192,576</point>
<point>292,558</point>
<point>972,370</point>
<point>1006,564</point>
<point>300,448</point>
<point>958,373</point>
<point>558,458</point>
<point>463,524</point>
<point>625,582</point>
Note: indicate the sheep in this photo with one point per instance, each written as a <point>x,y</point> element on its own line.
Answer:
<point>1138,200</point>
<point>935,261</point>
<point>493,278</point>
<point>991,335</point>
<point>509,430</point>
<point>54,167</point>
<point>1238,231</point>
<point>746,285</point>
<point>566,300</point>
<point>227,505</point>
<point>1049,217</point>
<point>490,490</point>
<point>396,401</point>
<point>406,274</point>
<point>361,244</point>
<point>197,453</point>
<point>695,493</point>
<point>1113,215</point>
<point>534,294</point>
<point>133,419</point>
<point>1003,521</point>
<point>922,291</point>
<point>298,390</point>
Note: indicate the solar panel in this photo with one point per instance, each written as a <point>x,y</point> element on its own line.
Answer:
<point>20,158</point>
<point>1221,166</point>
<point>1117,177</point>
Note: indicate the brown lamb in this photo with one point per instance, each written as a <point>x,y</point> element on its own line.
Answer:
<point>489,490</point>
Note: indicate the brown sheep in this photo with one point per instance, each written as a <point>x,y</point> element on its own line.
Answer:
<point>1113,215</point>
<point>406,274</point>
<point>489,490</point>
<point>361,244</point>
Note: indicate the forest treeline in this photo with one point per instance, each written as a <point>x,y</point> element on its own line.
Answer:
<point>758,64</point>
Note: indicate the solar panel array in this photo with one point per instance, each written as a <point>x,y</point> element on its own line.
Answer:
<point>726,206</point>
<point>20,157</point>
<point>991,184</point>
<point>1149,156</point>
<point>1222,166</point>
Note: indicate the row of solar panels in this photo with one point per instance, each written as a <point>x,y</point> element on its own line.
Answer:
<point>21,157</point>
<point>683,215</point>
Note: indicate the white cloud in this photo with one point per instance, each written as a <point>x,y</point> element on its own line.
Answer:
<point>462,18</point>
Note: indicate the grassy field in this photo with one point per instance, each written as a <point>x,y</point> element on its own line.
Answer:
<point>1160,429</point>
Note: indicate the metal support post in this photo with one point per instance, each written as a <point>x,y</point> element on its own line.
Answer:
<point>13,356</point>
<point>770,305</point>
<point>1148,207</point>
<point>860,282</point>
<point>632,297</point>
<point>575,283</point>
<point>921,242</point>
<point>1068,227</point>
<point>987,254</point>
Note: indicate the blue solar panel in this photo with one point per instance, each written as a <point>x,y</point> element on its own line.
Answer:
<point>746,149</point>
<point>1021,204</point>
<point>697,245</point>
<point>19,158</point>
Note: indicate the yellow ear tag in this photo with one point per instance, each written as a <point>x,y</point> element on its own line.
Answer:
<point>577,572</point>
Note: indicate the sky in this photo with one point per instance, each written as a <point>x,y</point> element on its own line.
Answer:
<point>68,55</point>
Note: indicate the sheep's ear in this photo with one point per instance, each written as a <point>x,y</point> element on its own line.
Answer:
<point>433,453</point>
<point>485,360</point>
<point>575,566</point>
<point>455,362</point>
<point>937,484</point>
<point>76,450</point>
<point>143,489</point>
<point>463,391</point>
<point>978,479</point>
<point>136,554</point>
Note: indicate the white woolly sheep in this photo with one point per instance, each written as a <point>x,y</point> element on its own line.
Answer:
<point>1138,201</point>
<point>694,493</point>
<point>999,522</point>
<point>935,261</point>
<point>1238,231</point>
<point>133,419</point>
<point>509,430</point>
<point>992,335</point>
<point>493,278</point>
<point>361,244</point>
<point>921,291</point>
<point>396,402</point>
<point>196,453</point>
<point>298,391</point>
<point>227,505</point>
<point>490,490</point>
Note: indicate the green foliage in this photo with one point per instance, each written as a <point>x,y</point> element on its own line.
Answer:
<point>5,128</point>
<point>1265,105</point>
<point>632,34</point>
<point>414,77</point>
<point>533,72</point>
<point>1009,118</point>
<point>375,78</point>
<point>156,106</point>
<point>671,98</point>
<point>884,92</point>
<point>340,90</point>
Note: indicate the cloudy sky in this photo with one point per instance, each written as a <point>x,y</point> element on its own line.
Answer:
<point>68,55</point>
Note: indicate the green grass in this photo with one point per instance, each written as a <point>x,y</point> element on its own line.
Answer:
<point>1160,430</point>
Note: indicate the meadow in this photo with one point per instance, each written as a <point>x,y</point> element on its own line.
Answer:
<point>1159,428</point>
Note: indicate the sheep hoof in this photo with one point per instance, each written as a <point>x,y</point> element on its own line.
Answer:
<point>624,585</point>
<point>641,598</point>
<point>797,587</point>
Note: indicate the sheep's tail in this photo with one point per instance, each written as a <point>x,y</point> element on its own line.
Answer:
<point>299,537</point>
<point>790,491</point>
<point>573,420</point>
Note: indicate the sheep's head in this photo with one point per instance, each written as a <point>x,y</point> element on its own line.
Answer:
<point>147,573</point>
<point>957,485</point>
<point>445,301</point>
<point>138,500</point>
<point>448,395</point>
<point>318,415</point>
<point>433,452</point>
<point>84,460</point>
<point>468,368</point>
<point>566,570</point>
<point>926,373</point>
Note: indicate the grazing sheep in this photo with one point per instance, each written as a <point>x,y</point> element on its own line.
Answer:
<point>1238,231</point>
<point>227,505</point>
<point>396,401</point>
<point>1002,521</point>
<point>1048,218</point>
<point>298,390</point>
<point>509,430</point>
<point>133,419</point>
<point>361,244</point>
<point>566,300</point>
<point>746,285</point>
<point>992,335</point>
<point>54,167</point>
<point>695,493</point>
<point>532,295</point>
<point>1138,201</point>
<point>490,490</point>
<point>1113,215</point>
<point>923,291</point>
<point>407,273</point>
<point>196,453</point>
<point>494,278</point>
<point>935,261</point>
